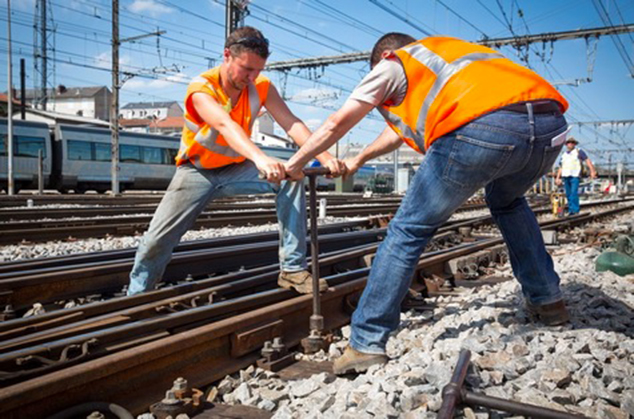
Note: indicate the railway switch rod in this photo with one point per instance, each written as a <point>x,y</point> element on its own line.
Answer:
<point>315,341</point>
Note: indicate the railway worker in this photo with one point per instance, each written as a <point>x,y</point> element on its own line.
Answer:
<point>571,163</point>
<point>483,121</point>
<point>218,159</point>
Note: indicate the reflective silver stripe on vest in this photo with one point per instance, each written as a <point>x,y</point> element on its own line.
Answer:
<point>396,121</point>
<point>254,104</point>
<point>208,140</point>
<point>191,126</point>
<point>443,71</point>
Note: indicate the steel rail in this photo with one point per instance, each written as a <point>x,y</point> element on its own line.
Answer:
<point>90,228</point>
<point>24,267</point>
<point>117,211</point>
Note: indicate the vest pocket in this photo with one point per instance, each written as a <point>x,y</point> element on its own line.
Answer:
<point>474,163</point>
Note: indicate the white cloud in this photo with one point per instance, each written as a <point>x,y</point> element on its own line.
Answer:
<point>165,81</point>
<point>104,60</point>
<point>149,6</point>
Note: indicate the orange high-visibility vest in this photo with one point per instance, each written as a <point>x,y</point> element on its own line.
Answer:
<point>202,145</point>
<point>452,82</point>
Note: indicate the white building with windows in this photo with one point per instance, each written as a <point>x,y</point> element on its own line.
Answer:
<point>88,102</point>
<point>151,110</point>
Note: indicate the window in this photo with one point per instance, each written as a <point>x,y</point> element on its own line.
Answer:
<point>171,155</point>
<point>79,150</point>
<point>152,155</point>
<point>23,146</point>
<point>103,151</point>
<point>29,146</point>
<point>130,154</point>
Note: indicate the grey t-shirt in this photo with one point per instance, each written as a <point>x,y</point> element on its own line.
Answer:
<point>385,83</point>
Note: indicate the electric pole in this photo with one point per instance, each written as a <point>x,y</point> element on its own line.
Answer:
<point>40,54</point>
<point>235,11</point>
<point>10,186</point>
<point>114,109</point>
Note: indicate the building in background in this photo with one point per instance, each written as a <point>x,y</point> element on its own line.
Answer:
<point>90,102</point>
<point>151,110</point>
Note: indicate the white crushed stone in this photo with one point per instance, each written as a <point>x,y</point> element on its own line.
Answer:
<point>586,367</point>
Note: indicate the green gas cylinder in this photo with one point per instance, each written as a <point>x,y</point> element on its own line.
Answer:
<point>621,261</point>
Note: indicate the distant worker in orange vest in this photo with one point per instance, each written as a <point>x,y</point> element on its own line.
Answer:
<point>483,121</point>
<point>218,159</point>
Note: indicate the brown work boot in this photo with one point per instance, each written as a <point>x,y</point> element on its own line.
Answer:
<point>552,314</point>
<point>301,281</point>
<point>355,361</point>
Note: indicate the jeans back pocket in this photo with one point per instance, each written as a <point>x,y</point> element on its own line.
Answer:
<point>474,163</point>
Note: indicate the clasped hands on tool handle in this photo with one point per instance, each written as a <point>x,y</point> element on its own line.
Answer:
<point>309,171</point>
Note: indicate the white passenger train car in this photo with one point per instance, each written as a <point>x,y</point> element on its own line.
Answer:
<point>28,139</point>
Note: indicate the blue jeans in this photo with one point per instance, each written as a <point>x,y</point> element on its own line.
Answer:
<point>506,153</point>
<point>571,186</point>
<point>188,194</point>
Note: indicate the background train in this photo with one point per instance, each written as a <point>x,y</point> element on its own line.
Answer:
<point>78,158</point>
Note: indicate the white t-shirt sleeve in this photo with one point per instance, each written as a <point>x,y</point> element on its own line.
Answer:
<point>385,83</point>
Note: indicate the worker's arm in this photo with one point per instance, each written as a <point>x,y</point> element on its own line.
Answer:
<point>297,130</point>
<point>387,141</point>
<point>593,172</point>
<point>218,118</point>
<point>558,177</point>
<point>335,127</point>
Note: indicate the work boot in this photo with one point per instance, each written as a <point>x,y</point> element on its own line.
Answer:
<point>355,361</point>
<point>552,314</point>
<point>301,281</point>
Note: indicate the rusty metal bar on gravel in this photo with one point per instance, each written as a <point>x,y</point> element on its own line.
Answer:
<point>454,395</point>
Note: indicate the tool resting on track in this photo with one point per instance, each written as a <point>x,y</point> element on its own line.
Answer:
<point>314,342</point>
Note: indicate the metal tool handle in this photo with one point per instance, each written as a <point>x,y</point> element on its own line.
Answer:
<point>309,171</point>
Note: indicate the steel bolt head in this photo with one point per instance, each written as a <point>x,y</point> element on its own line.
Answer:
<point>180,384</point>
<point>170,398</point>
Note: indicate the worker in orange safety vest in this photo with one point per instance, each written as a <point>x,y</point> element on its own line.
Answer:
<point>218,159</point>
<point>482,121</point>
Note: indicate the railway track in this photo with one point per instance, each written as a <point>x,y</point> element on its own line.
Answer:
<point>201,329</point>
<point>21,201</point>
<point>34,226</point>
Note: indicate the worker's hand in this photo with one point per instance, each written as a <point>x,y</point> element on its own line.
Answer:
<point>337,167</point>
<point>353,165</point>
<point>593,174</point>
<point>293,172</point>
<point>558,182</point>
<point>273,169</point>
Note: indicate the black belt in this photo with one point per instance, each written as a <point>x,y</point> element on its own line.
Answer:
<point>544,106</point>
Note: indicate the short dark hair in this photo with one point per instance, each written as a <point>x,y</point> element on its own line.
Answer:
<point>389,42</point>
<point>248,39</point>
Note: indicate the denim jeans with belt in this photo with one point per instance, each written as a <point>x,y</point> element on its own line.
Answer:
<point>190,191</point>
<point>571,186</point>
<point>505,152</point>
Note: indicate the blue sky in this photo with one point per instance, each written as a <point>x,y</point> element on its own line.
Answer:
<point>195,32</point>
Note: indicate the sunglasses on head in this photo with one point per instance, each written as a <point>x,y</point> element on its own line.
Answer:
<point>250,41</point>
